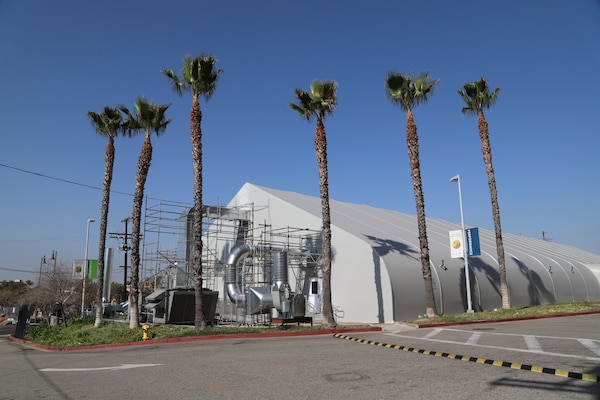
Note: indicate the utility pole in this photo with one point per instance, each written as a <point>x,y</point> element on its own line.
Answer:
<point>42,261</point>
<point>54,257</point>
<point>545,237</point>
<point>125,248</point>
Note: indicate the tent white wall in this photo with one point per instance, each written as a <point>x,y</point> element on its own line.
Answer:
<point>376,270</point>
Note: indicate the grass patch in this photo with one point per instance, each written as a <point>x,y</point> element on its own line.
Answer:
<point>81,332</point>
<point>533,311</point>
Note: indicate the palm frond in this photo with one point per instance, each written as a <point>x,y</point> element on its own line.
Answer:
<point>319,102</point>
<point>108,123</point>
<point>131,126</point>
<point>199,76</point>
<point>176,84</point>
<point>477,96</point>
<point>408,92</point>
<point>148,117</point>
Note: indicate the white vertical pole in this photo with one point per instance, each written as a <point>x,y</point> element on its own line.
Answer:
<point>85,263</point>
<point>465,253</point>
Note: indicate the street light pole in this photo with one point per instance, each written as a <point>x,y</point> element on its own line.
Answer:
<point>464,238</point>
<point>85,263</point>
<point>54,257</point>
<point>42,261</point>
<point>125,250</point>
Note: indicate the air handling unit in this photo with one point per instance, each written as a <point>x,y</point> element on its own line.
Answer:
<point>262,299</point>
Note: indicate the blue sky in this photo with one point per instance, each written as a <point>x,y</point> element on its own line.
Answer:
<point>60,59</point>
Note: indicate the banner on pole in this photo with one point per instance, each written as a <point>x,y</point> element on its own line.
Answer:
<point>92,269</point>
<point>78,269</point>
<point>473,248</point>
<point>456,244</point>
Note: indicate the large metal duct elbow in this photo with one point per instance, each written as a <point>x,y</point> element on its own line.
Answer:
<point>233,289</point>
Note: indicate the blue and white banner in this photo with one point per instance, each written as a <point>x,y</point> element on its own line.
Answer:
<point>473,248</point>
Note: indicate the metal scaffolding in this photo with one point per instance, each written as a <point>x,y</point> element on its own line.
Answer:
<point>167,242</point>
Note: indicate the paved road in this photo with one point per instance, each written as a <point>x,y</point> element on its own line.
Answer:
<point>322,367</point>
<point>7,329</point>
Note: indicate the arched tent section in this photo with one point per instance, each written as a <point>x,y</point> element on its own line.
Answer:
<point>376,269</point>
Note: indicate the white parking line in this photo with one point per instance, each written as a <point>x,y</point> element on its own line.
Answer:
<point>113,368</point>
<point>533,345</point>
<point>433,333</point>
<point>474,338</point>
<point>590,345</point>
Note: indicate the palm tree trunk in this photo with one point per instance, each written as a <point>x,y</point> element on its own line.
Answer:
<point>321,149</point>
<point>138,198</point>
<point>109,161</point>
<point>412,141</point>
<point>196,134</point>
<point>486,149</point>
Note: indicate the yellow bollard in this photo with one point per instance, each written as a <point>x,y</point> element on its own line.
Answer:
<point>145,335</point>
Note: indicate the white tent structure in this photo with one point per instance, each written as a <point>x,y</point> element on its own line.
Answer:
<point>376,269</point>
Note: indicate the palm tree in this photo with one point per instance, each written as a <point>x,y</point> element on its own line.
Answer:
<point>149,118</point>
<point>477,96</point>
<point>320,102</point>
<point>107,124</point>
<point>198,77</point>
<point>409,92</point>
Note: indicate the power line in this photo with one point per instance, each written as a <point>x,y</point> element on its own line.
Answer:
<point>18,270</point>
<point>78,183</point>
<point>60,179</point>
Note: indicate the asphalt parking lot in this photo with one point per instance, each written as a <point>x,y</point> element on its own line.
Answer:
<point>361,365</point>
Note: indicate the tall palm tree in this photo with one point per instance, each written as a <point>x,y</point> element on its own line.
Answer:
<point>408,92</point>
<point>107,124</point>
<point>198,77</point>
<point>477,96</point>
<point>148,118</point>
<point>320,102</point>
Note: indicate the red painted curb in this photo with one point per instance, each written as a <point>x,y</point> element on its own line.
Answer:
<point>187,339</point>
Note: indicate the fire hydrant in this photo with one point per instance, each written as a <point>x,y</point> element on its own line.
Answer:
<point>145,334</point>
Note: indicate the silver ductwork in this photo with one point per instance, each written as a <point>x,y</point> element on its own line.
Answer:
<point>233,290</point>
<point>280,270</point>
<point>280,289</point>
<point>259,299</point>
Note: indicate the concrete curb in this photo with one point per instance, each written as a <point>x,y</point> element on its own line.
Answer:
<point>490,321</point>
